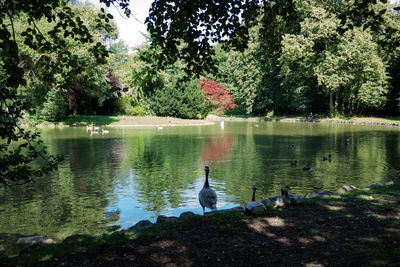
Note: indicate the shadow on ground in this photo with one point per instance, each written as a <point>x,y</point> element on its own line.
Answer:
<point>89,120</point>
<point>357,229</point>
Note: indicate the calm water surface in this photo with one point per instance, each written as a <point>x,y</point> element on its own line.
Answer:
<point>132,174</point>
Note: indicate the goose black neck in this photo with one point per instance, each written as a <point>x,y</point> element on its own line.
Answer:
<point>254,195</point>
<point>206,184</point>
<point>284,192</point>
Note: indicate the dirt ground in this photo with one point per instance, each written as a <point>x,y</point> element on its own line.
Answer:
<point>130,121</point>
<point>358,232</point>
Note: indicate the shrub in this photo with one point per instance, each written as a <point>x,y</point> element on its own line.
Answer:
<point>136,111</point>
<point>128,106</point>
<point>178,98</point>
<point>217,98</point>
<point>55,107</point>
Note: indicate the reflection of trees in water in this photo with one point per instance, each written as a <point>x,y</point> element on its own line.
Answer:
<point>264,160</point>
<point>71,200</point>
<point>165,166</point>
<point>240,171</point>
<point>63,211</point>
<point>99,158</point>
<point>217,148</point>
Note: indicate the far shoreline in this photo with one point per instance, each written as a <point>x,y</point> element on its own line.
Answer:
<point>154,121</point>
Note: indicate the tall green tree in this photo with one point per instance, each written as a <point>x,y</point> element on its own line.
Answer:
<point>347,67</point>
<point>252,74</point>
<point>19,147</point>
<point>78,89</point>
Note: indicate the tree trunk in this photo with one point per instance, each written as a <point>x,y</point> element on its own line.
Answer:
<point>331,104</point>
<point>72,103</point>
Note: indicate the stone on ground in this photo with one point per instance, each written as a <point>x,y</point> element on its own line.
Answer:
<point>371,186</point>
<point>166,218</point>
<point>140,225</point>
<point>346,188</point>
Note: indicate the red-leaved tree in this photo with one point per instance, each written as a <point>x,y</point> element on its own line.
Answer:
<point>217,98</point>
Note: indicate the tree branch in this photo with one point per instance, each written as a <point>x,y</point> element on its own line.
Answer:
<point>12,24</point>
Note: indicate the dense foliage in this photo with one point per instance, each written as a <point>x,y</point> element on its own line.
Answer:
<point>217,98</point>
<point>45,50</point>
<point>177,98</point>
<point>60,58</point>
<point>311,66</point>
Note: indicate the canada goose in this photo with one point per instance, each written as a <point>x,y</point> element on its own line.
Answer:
<point>105,131</point>
<point>293,163</point>
<point>285,191</point>
<point>291,146</point>
<point>207,196</point>
<point>254,192</point>
<point>254,207</point>
<point>327,157</point>
<point>307,167</point>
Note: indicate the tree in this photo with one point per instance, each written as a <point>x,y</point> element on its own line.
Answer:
<point>19,148</point>
<point>217,98</point>
<point>186,29</point>
<point>346,67</point>
<point>178,98</point>
<point>198,24</point>
<point>193,25</point>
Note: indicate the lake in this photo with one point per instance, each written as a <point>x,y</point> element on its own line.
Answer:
<point>131,174</point>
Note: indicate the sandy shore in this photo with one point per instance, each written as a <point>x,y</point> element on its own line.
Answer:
<point>154,121</point>
<point>145,121</point>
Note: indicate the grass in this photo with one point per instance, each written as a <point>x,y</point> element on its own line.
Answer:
<point>78,120</point>
<point>90,120</point>
<point>317,117</point>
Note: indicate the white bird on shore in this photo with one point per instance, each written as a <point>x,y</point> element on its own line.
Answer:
<point>105,131</point>
<point>96,128</point>
<point>89,128</point>
<point>222,124</point>
<point>207,195</point>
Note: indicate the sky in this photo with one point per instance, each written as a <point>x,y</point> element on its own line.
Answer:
<point>130,29</point>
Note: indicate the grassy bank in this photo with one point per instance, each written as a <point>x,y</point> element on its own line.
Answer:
<point>360,228</point>
<point>316,118</point>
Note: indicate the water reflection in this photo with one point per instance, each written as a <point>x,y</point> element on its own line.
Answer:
<point>133,174</point>
<point>216,148</point>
